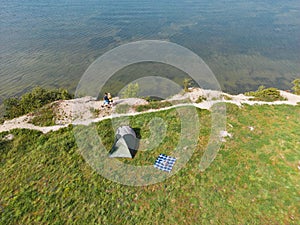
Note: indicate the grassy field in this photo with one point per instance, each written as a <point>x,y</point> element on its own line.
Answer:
<point>253,180</point>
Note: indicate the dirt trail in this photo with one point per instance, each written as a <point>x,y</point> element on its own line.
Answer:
<point>87,110</point>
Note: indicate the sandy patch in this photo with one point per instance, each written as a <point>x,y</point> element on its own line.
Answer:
<point>87,109</point>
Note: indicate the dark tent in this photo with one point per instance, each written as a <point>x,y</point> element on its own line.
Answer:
<point>126,143</point>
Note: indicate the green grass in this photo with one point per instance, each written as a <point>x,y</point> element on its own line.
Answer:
<point>153,105</point>
<point>253,180</point>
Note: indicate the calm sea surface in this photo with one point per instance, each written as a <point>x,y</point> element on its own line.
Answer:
<point>51,43</point>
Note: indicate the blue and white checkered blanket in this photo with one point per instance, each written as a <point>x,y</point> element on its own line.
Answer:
<point>164,162</point>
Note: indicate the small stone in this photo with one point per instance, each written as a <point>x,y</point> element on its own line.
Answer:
<point>9,137</point>
<point>251,128</point>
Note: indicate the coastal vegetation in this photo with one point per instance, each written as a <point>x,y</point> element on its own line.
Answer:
<point>130,91</point>
<point>34,100</point>
<point>44,116</point>
<point>266,94</point>
<point>296,87</point>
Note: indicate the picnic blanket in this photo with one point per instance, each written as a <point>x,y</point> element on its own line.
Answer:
<point>164,162</point>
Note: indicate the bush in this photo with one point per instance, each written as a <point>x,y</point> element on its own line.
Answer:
<point>200,99</point>
<point>226,97</point>
<point>12,108</point>
<point>296,86</point>
<point>267,95</point>
<point>44,116</point>
<point>33,100</point>
<point>131,91</point>
<point>186,84</point>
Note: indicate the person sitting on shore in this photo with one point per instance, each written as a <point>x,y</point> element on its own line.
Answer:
<point>106,100</point>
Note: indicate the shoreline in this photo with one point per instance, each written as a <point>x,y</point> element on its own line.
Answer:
<point>80,106</point>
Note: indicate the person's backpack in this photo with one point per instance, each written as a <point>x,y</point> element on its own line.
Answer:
<point>109,97</point>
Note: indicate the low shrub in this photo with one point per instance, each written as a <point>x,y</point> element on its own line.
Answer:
<point>153,105</point>
<point>226,97</point>
<point>296,86</point>
<point>38,97</point>
<point>44,116</point>
<point>95,112</point>
<point>201,99</point>
<point>267,95</point>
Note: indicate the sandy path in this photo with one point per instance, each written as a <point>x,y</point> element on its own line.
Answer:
<point>80,111</point>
